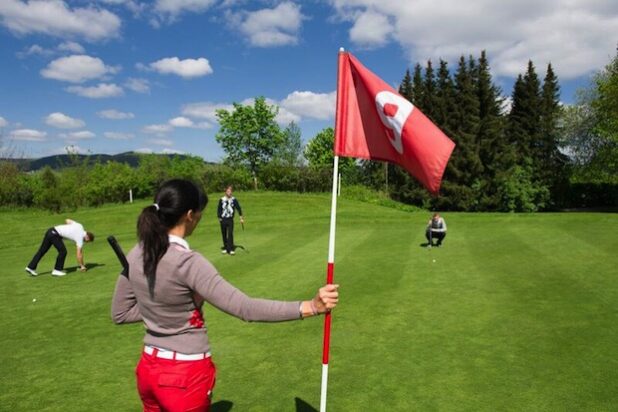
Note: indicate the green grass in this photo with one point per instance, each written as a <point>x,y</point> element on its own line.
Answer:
<point>518,312</point>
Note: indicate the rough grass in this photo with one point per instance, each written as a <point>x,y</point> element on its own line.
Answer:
<point>514,312</point>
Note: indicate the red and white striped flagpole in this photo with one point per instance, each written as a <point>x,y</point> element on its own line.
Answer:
<point>330,274</point>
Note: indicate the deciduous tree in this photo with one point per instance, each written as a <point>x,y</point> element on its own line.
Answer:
<point>249,135</point>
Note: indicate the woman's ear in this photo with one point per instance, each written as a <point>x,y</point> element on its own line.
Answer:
<point>190,216</point>
<point>193,216</point>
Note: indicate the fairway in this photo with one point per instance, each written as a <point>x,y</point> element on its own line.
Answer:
<point>515,312</point>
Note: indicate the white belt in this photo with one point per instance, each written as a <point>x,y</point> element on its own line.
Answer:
<point>169,354</point>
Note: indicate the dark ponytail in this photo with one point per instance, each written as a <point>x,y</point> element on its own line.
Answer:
<point>175,198</point>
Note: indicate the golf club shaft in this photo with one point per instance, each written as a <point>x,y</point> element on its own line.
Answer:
<point>120,255</point>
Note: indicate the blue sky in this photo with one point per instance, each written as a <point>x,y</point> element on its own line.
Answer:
<point>111,76</point>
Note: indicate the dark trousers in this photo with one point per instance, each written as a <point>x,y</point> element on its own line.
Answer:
<point>435,235</point>
<point>51,238</point>
<point>227,233</point>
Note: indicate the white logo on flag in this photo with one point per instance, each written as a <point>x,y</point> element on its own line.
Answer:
<point>394,111</point>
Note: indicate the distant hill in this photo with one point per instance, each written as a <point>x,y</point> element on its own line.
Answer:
<point>60,161</point>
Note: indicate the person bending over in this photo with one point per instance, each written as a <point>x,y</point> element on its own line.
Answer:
<point>436,229</point>
<point>71,230</point>
<point>166,288</point>
<point>228,204</point>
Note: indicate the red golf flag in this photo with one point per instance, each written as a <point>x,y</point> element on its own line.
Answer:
<point>375,122</point>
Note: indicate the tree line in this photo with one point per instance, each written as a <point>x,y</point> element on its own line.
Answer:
<point>523,153</point>
<point>506,158</point>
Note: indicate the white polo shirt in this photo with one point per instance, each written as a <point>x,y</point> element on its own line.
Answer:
<point>73,231</point>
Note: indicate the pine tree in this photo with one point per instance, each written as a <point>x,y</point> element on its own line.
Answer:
<point>551,164</point>
<point>401,186</point>
<point>445,100</point>
<point>494,151</point>
<point>466,120</point>
<point>490,139</point>
<point>418,88</point>
<point>524,135</point>
<point>405,88</point>
<point>428,102</point>
<point>516,132</point>
<point>464,169</point>
<point>525,118</point>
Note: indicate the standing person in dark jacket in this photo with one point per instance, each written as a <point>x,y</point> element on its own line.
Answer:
<point>225,212</point>
<point>166,287</point>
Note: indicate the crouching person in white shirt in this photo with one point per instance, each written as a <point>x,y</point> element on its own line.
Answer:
<point>71,230</point>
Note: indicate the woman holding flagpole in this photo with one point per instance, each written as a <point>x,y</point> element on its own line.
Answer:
<point>167,286</point>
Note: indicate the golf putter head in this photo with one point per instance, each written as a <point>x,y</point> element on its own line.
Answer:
<point>120,255</point>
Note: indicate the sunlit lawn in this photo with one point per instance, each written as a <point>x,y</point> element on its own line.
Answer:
<point>514,312</point>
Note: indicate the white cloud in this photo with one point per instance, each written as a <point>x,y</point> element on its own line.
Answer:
<point>28,134</point>
<point>147,150</point>
<point>371,29</point>
<point>294,108</point>
<point>181,122</point>
<point>72,47</point>
<point>77,69</point>
<point>114,114</point>
<point>576,36</point>
<point>309,104</point>
<point>161,142</point>
<point>175,7</point>
<point>283,117</point>
<point>297,106</point>
<point>269,27</point>
<point>34,50</point>
<point>184,68</point>
<point>171,151</point>
<point>137,85</point>
<point>62,121</point>
<point>3,122</point>
<point>205,110</point>
<point>103,90</point>
<point>56,18</point>
<point>158,129</point>
<point>118,135</point>
<point>71,149</point>
<point>81,135</point>
<point>136,7</point>
<point>202,125</point>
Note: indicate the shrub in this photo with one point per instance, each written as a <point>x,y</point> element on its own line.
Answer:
<point>46,193</point>
<point>518,193</point>
<point>14,189</point>
<point>109,182</point>
<point>216,177</point>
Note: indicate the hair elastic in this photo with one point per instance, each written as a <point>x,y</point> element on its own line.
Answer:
<point>156,205</point>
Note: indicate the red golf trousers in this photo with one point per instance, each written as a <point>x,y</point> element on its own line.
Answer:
<point>175,385</point>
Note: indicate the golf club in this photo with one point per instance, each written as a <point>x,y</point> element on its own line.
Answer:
<point>242,247</point>
<point>120,255</point>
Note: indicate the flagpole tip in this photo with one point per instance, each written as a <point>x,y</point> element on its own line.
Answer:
<point>341,50</point>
